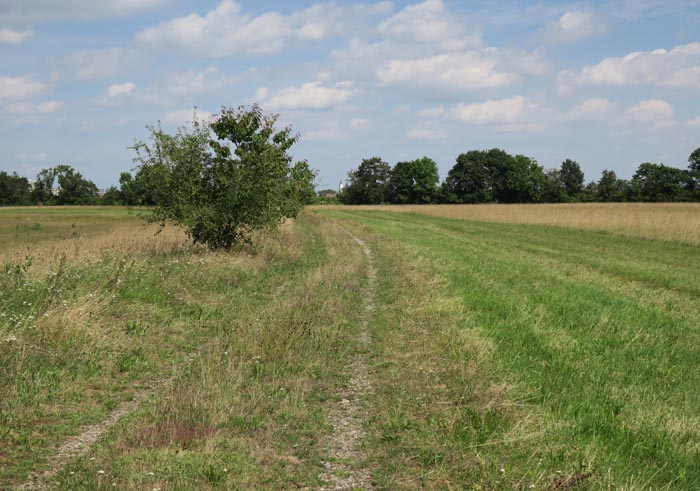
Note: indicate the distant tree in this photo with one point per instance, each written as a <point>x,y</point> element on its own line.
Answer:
<point>43,192</point>
<point>610,188</point>
<point>302,185</point>
<point>590,192</point>
<point>14,189</point>
<point>147,188</point>
<point>482,176</point>
<point>522,181</point>
<point>554,190</point>
<point>415,181</point>
<point>572,177</point>
<point>112,197</point>
<point>368,184</point>
<point>131,193</point>
<point>74,189</point>
<point>224,179</point>
<point>694,170</point>
<point>659,182</point>
<point>470,179</point>
<point>694,161</point>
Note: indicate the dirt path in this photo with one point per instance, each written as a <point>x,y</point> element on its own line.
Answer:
<point>343,469</point>
<point>80,444</point>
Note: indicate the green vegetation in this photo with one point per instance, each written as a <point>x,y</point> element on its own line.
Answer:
<point>515,355</point>
<point>494,176</point>
<point>502,356</point>
<point>222,190</point>
<point>241,351</point>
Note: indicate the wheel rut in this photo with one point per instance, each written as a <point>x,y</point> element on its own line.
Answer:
<point>343,468</point>
<point>80,444</point>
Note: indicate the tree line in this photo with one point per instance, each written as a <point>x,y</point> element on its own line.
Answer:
<point>478,176</point>
<point>494,176</point>
<point>63,185</point>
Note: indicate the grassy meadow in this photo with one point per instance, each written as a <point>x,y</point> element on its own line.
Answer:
<point>674,222</point>
<point>510,348</point>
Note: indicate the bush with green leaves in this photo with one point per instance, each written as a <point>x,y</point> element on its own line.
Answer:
<point>224,179</point>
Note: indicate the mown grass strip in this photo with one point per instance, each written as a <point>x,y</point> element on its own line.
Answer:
<point>595,381</point>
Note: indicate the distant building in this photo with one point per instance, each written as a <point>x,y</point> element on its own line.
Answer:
<point>327,193</point>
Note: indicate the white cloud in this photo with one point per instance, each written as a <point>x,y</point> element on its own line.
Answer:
<point>361,124</point>
<point>185,116</point>
<point>27,113</point>
<point>461,71</point>
<point>328,132</point>
<point>593,109</point>
<point>311,95</point>
<point>694,123</point>
<point>8,36</point>
<point>20,108</point>
<point>91,126</point>
<point>49,107</point>
<point>516,109</point>
<point>120,89</point>
<point>432,112</point>
<point>427,131</point>
<point>378,8</point>
<point>650,111</point>
<point>570,27</point>
<point>227,30</point>
<point>31,157</point>
<point>430,22</point>
<point>18,88</point>
<point>104,63</point>
<point>413,37</point>
<point>679,68</point>
<point>29,11</point>
<point>221,32</point>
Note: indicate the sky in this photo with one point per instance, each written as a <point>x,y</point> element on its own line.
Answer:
<point>610,84</point>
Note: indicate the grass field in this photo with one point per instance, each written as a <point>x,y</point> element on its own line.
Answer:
<point>674,222</point>
<point>502,355</point>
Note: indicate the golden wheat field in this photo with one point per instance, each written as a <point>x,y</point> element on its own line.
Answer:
<point>674,222</point>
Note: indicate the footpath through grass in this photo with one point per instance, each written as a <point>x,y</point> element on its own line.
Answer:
<point>501,357</point>
<point>519,356</point>
<point>243,351</point>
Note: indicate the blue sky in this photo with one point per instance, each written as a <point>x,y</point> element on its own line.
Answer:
<point>610,84</point>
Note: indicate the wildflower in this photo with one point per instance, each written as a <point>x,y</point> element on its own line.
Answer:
<point>100,472</point>
<point>502,470</point>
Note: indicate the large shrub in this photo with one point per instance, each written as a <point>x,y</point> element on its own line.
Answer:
<point>222,180</point>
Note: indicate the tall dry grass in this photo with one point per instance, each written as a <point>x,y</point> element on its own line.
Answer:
<point>675,222</point>
<point>50,242</point>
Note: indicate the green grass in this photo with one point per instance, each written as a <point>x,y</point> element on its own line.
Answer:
<point>592,339</point>
<point>502,356</point>
<point>272,329</point>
